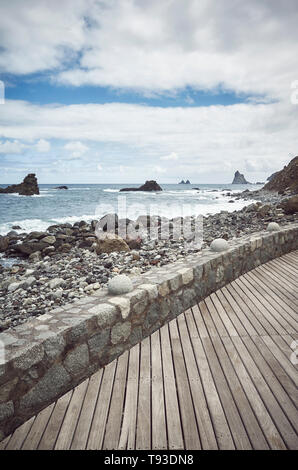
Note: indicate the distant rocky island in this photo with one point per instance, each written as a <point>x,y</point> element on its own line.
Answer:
<point>184,182</point>
<point>239,179</point>
<point>28,187</point>
<point>61,187</point>
<point>148,186</point>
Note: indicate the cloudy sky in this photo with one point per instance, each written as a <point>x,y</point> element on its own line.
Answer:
<point>114,91</point>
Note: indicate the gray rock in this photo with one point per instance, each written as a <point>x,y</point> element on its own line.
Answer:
<point>77,360</point>
<point>57,282</point>
<point>55,381</point>
<point>120,332</point>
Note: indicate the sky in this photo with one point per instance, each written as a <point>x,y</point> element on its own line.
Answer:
<point>121,91</point>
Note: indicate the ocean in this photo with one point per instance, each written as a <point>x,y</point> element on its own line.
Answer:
<point>92,201</point>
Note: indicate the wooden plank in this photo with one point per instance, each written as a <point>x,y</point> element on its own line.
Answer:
<point>206,431</point>
<point>19,435</point>
<point>287,433</point>
<point>49,437</point>
<point>287,270</point>
<point>283,274</point>
<point>233,417</point>
<point>281,396</point>
<point>279,275</point>
<point>269,314</point>
<point>159,432</point>
<point>128,432</point>
<point>278,287</point>
<point>80,437</point>
<point>243,304</point>
<point>281,357</point>
<point>251,309</point>
<point>143,440</point>
<point>113,427</point>
<point>275,281</point>
<point>97,429</point>
<point>278,370</point>
<point>68,427</point>
<point>220,425</point>
<point>223,315</point>
<point>188,418</point>
<point>253,429</point>
<point>174,426</point>
<point>265,421</point>
<point>270,300</point>
<point>225,299</point>
<point>35,434</point>
<point>4,442</point>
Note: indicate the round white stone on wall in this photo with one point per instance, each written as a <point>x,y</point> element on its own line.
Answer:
<point>120,285</point>
<point>219,244</point>
<point>273,226</point>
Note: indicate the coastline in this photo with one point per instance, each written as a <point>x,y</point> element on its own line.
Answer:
<point>32,287</point>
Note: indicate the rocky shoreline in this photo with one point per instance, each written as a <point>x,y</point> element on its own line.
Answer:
<point>68,261</point>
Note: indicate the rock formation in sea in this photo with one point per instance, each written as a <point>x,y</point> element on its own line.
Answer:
<point>61,187</point>
<point>148,186</point>
<point>184,182</point>
<point>285,180</point>
<point>239,179</point>
<point>28,187</point>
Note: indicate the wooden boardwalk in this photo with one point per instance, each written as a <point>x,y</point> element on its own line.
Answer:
<point>220,376</point>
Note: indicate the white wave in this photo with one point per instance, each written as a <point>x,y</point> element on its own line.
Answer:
<point>109,190</point>
<point>27,225</point>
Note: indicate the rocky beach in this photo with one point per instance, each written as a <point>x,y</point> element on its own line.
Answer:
<point>66,262</point>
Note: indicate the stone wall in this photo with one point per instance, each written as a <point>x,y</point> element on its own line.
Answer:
<point>45,357</point>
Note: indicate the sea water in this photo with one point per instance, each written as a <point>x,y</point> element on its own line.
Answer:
<point>93,201</point>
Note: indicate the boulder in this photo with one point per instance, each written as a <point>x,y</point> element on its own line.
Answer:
<point>111,243</point>
<point>28,187</point>
<point>61,187</point>
<point>290,206</point>
<point>4,243</point>
<point>148,186</point>
<point>29,247</point>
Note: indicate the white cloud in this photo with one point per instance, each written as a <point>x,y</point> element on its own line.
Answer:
<point>154,46</point>
<point>11,147</point>
<point>214,141</point>
<point>171,156</point>
<point>43,146</point>
<point>158,169</point>
<point>76,149</point>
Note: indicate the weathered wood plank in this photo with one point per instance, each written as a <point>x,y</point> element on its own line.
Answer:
<point>159,432</point>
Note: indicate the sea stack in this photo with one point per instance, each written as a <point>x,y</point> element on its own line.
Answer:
<point>239,179</point>
<point>28,187</point>
<point>148,186</point>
